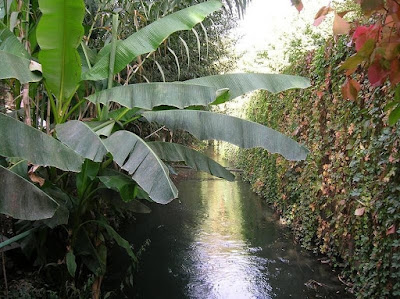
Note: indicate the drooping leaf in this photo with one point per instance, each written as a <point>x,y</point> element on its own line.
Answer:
<point>175,153</point>
<point>71,263</point>
<point>187,51</point>
<point>82,139</point>
<point>127,188</point>
<point>12,66</point>
<point>20,140</point>
<point>239,84</point>
<point>245,134</point>
<point>149,38</point>
<point>150,95</point>
<point>10,43</point>
<point>377,74</point>
<point>59,33</point>
<point>132,154</point>
<point>21,199</point>
<point>121,183</point>
<point>178,66</point>
<point>102,128</point>
<point>8,244</point>
<point>62,213</point>
<point>87,55</point>
<point>118,239</point>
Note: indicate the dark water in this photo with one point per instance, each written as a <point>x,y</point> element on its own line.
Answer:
<point>219,240</point>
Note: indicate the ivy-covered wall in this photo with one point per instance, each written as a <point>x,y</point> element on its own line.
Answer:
<point>344,201</point>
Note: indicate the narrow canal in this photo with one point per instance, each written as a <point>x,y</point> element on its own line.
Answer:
<point>220,240</point>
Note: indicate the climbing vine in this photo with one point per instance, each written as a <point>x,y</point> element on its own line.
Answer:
<point>344,200</point>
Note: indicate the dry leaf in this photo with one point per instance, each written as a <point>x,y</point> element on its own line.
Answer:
<point>37,179</point>
<point>34,168</point>
<point>34,66</point>
<point>321,14</point>
<point>359,211</point>
<point>340,26</point>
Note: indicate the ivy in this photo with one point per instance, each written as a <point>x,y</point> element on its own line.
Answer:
<point>344,200</point>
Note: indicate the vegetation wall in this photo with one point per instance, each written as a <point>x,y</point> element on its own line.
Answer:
<point>344,200</point>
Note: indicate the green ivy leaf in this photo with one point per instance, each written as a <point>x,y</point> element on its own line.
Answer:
<point>71,263</point>
<point>394,116</point>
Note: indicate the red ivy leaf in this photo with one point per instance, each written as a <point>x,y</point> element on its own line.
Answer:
<point>364,33</point>
<point>321,14</point>
<point>377,74</point>
<point>298,4</point>
<point>350,89</point>
<point>318,21</point>
<point>391,230</point>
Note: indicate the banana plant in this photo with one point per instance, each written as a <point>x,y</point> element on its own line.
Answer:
<point>84,151</point>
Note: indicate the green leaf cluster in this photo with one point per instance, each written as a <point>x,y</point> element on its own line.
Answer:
<point>343,200</point>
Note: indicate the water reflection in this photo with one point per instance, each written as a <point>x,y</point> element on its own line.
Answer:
<point>223,261</point>
<point>220,240</point>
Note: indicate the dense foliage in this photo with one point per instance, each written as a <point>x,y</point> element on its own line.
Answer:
<point>343,201</point>
<point>72,152</point>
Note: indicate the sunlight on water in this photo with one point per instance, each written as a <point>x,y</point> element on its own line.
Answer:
<point>220,240</point>
<point>221,257</point>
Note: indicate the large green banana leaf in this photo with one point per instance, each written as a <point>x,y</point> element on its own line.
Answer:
<point>59,33</point>
<point>202,91</point>
<point>10,43</point>
<point>150,95</point>
<point>12,66</point>
<point>82,139</point>
<point>14,59</point>
<point>245,134</point>
<point>239,84</point>
<point>132,154</point>
<point>149,38</point>
<point>175,153</point>
<point>20,140</point>
<point>21,199</point>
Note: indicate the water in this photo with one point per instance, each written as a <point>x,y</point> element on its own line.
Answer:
<point>220,240</point>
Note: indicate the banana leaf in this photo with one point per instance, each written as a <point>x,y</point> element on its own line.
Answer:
<point>149,38</point>
<point>175,153</point>
<point>59,34</point>
<point>206,125</point>
<point>20,140</point>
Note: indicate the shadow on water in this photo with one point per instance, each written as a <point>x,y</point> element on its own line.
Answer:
<point>220,240</point>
